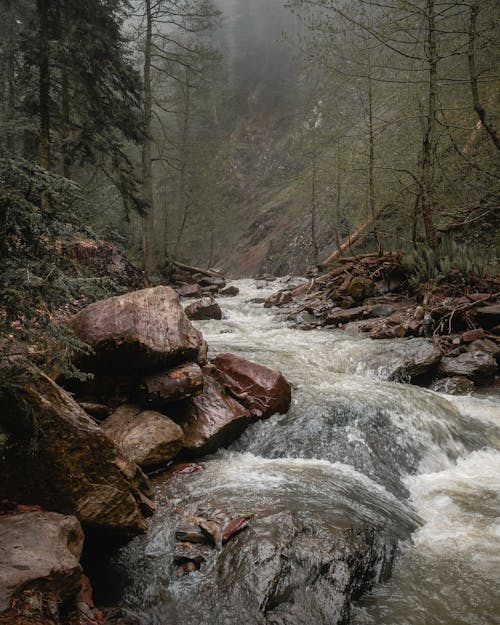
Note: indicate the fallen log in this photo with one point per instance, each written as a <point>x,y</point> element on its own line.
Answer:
<point>204,272</point>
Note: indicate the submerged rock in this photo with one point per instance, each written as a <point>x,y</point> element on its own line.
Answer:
<point>58,457</point>
<point>230,291</point>
<point>148,438</point>
<point>39,551</point>
<point>145,328</point>
<point>453,386</point>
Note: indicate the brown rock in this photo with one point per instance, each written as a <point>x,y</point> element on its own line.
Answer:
<point>345,316</point>
<point>39,551</point>
<point>360,288</point>
<point>489,315</point>
<point>212,419</point>
<point>485,345</point>
<point>190,291</point>
<point>58,457</point>
<point>475,365</point>
<point>139,329</point>
<point>148,438</point>
<point>98,411</point>
<point>278,299</point>
<point>388,332</point>
<point>472,335</point>
<point>230,291</point>
<point>175,384</point>
<point>453,386</point>
<point>206,308</point>
<point>234,527</point>
<point>263,391</point>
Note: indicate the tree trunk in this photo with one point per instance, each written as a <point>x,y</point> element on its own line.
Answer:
<point>149,256</point>
<point>371,167</point>
<point>44,83</point>
<point>314,241</point>
<point>65,97</point>
<point>490,129</point>
<point>183,195</point>
<point>427,199</point>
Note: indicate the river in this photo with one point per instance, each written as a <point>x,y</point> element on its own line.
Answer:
<point>422,467</point>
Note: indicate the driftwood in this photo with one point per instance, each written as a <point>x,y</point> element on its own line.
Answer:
<point>204,272</point>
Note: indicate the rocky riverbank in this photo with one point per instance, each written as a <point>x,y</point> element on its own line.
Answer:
<point>453,333</point>
<point>74,452</point>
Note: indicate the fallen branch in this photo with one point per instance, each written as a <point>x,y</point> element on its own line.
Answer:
<point>204,272</point>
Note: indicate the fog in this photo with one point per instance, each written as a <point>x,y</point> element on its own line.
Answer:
<point>257,40</point>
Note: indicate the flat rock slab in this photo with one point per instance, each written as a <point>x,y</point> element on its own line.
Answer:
<point>344,316</point>
<point>262,390</point>
<point>58,457</point>
<point>173,385</point>
<point>39,551</point>
<point>145,328</point>
<point>148,438</point>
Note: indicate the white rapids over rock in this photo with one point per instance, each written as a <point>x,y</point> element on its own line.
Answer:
<point>357,446</point>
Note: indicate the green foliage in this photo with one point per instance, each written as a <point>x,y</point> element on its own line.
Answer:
<point>39,275</point>
<point>449,261</point>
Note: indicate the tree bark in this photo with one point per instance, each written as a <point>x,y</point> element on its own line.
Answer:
<point>371,168</point>
<point>314,240</point>
<point>183,195</point>
<point>478,107</point>
<point>65,97</point>
<point>427,199</point>
<point>149,256</point>
<point>44,83</point>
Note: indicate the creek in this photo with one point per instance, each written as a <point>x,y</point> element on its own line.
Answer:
<point>396,464</point>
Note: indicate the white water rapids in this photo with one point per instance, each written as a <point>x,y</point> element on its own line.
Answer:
<point>370,448</point>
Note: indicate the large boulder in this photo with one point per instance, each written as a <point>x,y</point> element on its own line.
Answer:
<point>145,328</point>
<point>148,438</point>
<point>173,385</point>
<point>262,390</point>
<point>39,551</point>
<point>204,309</point>
<point>212,419</point>
<point>475,365</point>
<point>56,456</point>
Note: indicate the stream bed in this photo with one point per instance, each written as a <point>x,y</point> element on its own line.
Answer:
<point>362,477</point>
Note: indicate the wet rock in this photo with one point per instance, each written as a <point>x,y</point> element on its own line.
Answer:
<point>489,315</point>
<point>57,456</point>
<point>206,308</point>
<point>183,468</point>
<point>191,532</point>
<point>230,291</point>
<point>98,411</point>
<point>476,365</point>
<point>39,551</point>
<point>472,335</point>
<point>263,391</point>
<point>486,346</point>
<point>385,331</point>
<point>453,386</point>
<point>212,419</point>
<point>341,317</point>
<point>361,288</point>
<point>175,384</point>
<point>407,360</point>
<point>148,438</point>
<point>145,328</point>
<point>278,299</point>
<point>190,291</point>
<point>233,527</point>
<point>382,310</point>
<point>256,300</point>
<point>212,281</point>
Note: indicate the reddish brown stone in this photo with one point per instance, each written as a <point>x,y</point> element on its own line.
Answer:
<point>262,390</point>
<point>472,335</point>
<point>175,384</point>
<point>206,308</point>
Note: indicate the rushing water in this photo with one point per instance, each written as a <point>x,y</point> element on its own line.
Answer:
<point>353,448</point>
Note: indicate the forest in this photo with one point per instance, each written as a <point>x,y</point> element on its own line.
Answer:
<point>249,312</point>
